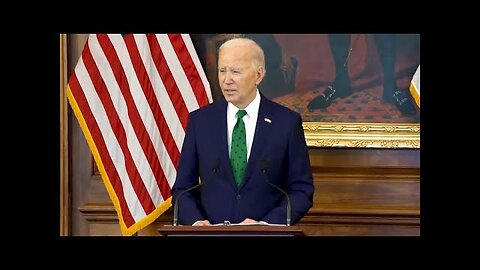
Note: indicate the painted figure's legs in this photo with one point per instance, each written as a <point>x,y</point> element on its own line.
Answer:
<point>341,87</point>
<point>386,48</point>
<point>340,47</point>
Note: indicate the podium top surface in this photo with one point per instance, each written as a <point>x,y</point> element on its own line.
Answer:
<point>231,230</point>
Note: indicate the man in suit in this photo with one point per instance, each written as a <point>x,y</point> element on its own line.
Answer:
<point>276,154</point>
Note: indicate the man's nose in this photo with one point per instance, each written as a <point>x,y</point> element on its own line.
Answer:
<point>228,77</point>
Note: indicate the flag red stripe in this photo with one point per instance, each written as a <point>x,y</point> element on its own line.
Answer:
<point>97,137</point>
<point>119,131</point>
<point>189,68</point>
<point>168,80</point>
<point>146,142</point>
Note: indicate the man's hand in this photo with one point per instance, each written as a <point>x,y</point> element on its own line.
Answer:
<point>202,223</point>
<point>249,221</point>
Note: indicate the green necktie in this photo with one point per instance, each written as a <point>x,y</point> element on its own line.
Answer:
<point>238,153</point>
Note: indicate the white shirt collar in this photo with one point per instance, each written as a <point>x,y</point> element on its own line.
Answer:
<point>252,108</point>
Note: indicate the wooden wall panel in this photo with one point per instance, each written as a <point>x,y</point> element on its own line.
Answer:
<point>351,196</point>
<point>364,192</point>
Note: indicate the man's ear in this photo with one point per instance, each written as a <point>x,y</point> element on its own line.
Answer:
<point>260,74</point>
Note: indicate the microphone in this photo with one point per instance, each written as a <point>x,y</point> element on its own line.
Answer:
<point>215,167</point>
<point>264,168</point>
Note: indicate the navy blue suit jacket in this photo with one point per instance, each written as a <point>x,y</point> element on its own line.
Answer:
<point>280,143</point>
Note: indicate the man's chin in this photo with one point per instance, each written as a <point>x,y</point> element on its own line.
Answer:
<point>230,98</point>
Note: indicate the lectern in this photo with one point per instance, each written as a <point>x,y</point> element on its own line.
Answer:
<point>231,230</point>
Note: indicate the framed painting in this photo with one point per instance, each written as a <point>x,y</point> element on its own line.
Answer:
<point>352,90</point>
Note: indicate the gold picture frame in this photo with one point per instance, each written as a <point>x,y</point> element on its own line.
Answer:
<point>362,135</point>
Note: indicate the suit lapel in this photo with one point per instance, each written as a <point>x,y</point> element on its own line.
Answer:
<point>222,119</point>
<point>262,132</point>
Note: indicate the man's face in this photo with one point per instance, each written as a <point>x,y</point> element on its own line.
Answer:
<point>237,75</point>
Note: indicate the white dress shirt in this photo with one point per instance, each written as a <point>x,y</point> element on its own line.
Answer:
<point>250,120</point>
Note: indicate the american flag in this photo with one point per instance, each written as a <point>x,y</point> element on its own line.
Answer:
<point>415,86</point>
<point>132,95</point>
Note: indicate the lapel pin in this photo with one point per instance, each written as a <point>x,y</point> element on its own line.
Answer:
<point>267,120</point>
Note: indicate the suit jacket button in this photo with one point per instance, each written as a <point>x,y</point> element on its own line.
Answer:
<point>238,197</point>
